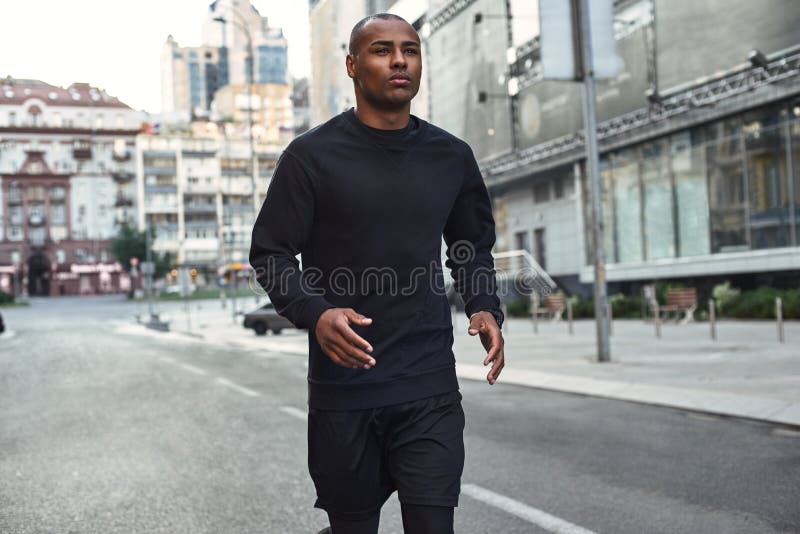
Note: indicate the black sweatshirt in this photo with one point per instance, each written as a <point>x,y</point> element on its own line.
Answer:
<point>366,209</point>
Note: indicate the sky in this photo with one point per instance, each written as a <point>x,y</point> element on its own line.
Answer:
<point>116,44</point>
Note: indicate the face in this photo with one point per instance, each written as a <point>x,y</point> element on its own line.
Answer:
<point>387,66</point>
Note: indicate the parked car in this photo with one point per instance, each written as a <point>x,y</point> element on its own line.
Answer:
<point>266,318</point>
<point>2,324</point>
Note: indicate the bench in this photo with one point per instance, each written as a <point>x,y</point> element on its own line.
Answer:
<point>681,304</point>
<point>554,306</point>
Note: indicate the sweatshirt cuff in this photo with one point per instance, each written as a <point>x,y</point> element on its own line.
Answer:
<point>481,302</point>
<point>311,312</point>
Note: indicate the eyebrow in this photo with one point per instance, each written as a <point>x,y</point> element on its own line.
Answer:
<point>390,43</point>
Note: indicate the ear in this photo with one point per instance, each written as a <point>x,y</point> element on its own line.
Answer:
<point>350,63</point>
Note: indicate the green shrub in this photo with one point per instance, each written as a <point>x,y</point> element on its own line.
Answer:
<point>723,295</point>
<point>623,307</point>
<point>760,304</point>
<point>520,307</point>
<point>6,298</point>
<point>582,308</point>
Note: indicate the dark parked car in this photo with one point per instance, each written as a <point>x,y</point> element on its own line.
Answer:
<point>266,318</point>
<point>2,324</point>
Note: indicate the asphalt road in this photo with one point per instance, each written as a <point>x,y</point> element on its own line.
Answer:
<point>105,432</point>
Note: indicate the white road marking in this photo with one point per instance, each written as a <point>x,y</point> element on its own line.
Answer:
<point>539,518</point>
<point>294,412</point>
<point>236,387</point>
<point>193,369</point>
<point>8,334</point>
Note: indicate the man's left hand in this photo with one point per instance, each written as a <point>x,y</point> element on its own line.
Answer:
<point>483,323</point>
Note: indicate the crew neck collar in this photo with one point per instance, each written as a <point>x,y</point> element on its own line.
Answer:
<point>409,131</point>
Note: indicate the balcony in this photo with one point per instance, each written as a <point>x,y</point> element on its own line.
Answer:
<point>196,207</point>
<point>82,149</point>
<point>122,156</point>
<point>122,177</point>
<point>123,201</point>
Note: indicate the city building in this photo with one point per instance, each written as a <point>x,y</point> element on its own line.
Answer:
<point>189,78</point>
<point>698,139</point>
<point>66,185</point>
<point>232,31</point>
<point>271,108</point>
<point>300,106</point>
<point>198,194</point>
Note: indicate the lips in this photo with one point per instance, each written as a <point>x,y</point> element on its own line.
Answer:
<point>400,80</point>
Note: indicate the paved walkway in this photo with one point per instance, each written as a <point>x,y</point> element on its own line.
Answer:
<point>745,373</point>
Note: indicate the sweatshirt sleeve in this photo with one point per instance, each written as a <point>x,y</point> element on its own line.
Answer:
<point>281,231</point>
<point>470,235</point>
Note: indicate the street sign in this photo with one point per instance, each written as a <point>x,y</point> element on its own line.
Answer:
<point>148,267</point>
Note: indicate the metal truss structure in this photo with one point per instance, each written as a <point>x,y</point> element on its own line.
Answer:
<point>661,109</point>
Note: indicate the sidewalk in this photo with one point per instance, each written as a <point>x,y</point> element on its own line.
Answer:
<point>745,373</point>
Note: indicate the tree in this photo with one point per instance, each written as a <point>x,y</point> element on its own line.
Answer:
<point>131,243</point>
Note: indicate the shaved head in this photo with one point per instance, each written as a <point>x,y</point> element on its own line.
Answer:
<point>358,29</point>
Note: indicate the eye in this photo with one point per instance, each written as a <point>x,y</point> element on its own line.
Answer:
<point>412,51</point>
<point>382,51</point>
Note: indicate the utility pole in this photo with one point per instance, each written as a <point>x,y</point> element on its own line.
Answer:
<point>584,69</point>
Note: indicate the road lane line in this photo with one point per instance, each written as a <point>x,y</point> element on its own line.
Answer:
<point>294,412</point>
<point>236,387</point>
<point>539,518</point>
<point>193,369</point>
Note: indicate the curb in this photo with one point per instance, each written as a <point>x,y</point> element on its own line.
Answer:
<point>694,400</point>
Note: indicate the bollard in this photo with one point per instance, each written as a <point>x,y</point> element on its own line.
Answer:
<point>610,319</point>
<point>535,312</point>
<point>505,315</point>
<point>779,317</point>
<point>569,318</point>
<point>712,318</point>
<point>657,319</point>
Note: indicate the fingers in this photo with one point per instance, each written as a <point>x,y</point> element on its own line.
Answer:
<point>494,373</point>
<point>339,357</point>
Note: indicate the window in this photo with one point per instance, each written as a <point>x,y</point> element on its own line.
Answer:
<point>541,192</point>
<point>36,193</point>
<point>57,214</point>
<point>15,214</point>
<point>56,193</point>
<point>58,233</point>
<point>522,241</point>
<point>541,249</point>
<point>14,194</point>
<point>12,118</point>
<point>558,187</point>
<point>61,256</point>
<point>15,233</point>
<point>36,236</point>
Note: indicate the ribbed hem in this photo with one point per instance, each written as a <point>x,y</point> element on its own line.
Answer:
<point>327,396</point>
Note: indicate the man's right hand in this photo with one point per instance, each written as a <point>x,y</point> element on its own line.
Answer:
<point>340,342</point>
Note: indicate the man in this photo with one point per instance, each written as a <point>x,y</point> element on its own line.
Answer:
<point>366,198</point>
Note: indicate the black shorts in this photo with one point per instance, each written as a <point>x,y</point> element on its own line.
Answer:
<point>358,458</point>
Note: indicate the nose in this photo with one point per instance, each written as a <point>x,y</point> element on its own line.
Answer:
<point>398,58</point>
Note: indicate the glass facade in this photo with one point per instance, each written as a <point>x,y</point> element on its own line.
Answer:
<point>732,185</point>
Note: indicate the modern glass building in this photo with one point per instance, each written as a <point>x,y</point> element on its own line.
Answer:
<point>699,139</point>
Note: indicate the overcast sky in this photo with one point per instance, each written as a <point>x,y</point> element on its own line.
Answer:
<point>116,44</point>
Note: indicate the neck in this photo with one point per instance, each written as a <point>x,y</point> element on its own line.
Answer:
<point>383,119</point>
